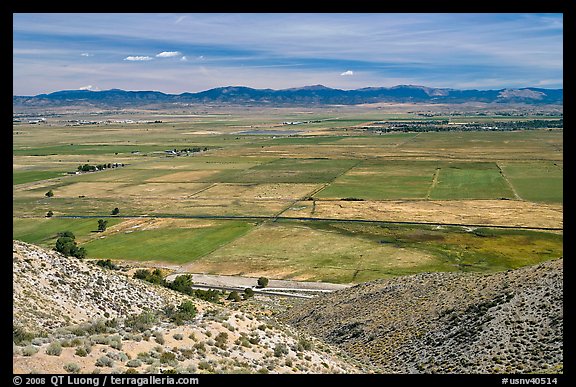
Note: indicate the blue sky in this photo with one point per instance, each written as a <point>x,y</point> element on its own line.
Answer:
<point>176,53</point>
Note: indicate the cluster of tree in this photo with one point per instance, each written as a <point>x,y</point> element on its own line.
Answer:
<point>443,126</point>
<point>66,244</point>
<point>235,296</point>
<point>183,284</point>
<point>153,276</point>
<point>98,167</point>
<point>186,311</point>
<point>142,322</point>
<point>192,150</point>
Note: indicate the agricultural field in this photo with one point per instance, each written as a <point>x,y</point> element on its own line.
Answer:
<point>324,200</point>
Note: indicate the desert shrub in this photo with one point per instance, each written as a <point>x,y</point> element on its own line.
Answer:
<point>131,371</point>
<point>178,336</point>
<point>134,363</point>
<point>200,347</point>
<point>280,349</point>
<point>187,353</point>
<point>186,312</point>
<point>121,356</point>
<point>38,341</point>
<point>115,342</point>
<point>159,338</point>
<point>83,351</point>
<point>107,264</point>
<point>104,361</point>
<point>228,326</point>
<point>54,349</point>
<point>304,344</point>
<point>204,365</point>
<point>72,368</point>
<point>29,350</point>
<point>155,276</point>
<point>168,358</point>
<point>221,339</point>
<point>141,322</point>
<point>20,335</point>
<point>234,296</point>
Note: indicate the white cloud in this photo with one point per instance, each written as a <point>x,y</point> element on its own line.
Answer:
<point>168,54</point>
<point>138,58</point>
<point>90,87</point>
<point>86,54</point>
<point>347,72</point>
<point>184,59</point>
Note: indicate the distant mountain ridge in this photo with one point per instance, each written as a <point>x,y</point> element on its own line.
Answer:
<point>315,94</point>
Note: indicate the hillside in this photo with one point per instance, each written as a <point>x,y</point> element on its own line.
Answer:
<point>315,95</point>
<point>72,316</point>
<point>507,322</point>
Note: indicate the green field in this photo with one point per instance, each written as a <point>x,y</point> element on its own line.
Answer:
<point>290,171</point>
<point>538,182</point>
<point>382,181</point>
<point>174,245</point>
<point>257,167</point>
<point>471,181</point>
<point>44,232</point>
<point>30,176</point>
<point>349,252</point>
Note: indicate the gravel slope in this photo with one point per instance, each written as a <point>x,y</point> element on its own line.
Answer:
<point>508,322</point>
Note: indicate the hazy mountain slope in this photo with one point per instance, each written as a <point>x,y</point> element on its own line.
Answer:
<point>447,322</point>
<point>316,94</point>
<point>71,316</point>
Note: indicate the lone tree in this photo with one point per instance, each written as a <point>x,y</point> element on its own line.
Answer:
<point>49,194</point>
<point>262,282</point>
<point>115,211</point>
<point>49,214</point>
<point>102,225</point>
<point>248,293</point>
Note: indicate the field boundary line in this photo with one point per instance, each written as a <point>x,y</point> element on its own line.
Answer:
<point>408,140</point>
<point>434,182</point>
<point>256,218</point>
<point>508,181</point>
<point>314,192</point>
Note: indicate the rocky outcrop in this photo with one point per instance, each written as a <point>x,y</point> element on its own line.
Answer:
<point>51,290</point>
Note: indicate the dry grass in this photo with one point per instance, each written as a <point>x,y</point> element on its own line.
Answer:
<point>466,212</point>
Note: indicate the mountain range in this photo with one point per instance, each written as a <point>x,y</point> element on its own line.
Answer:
<point>317,95</point>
